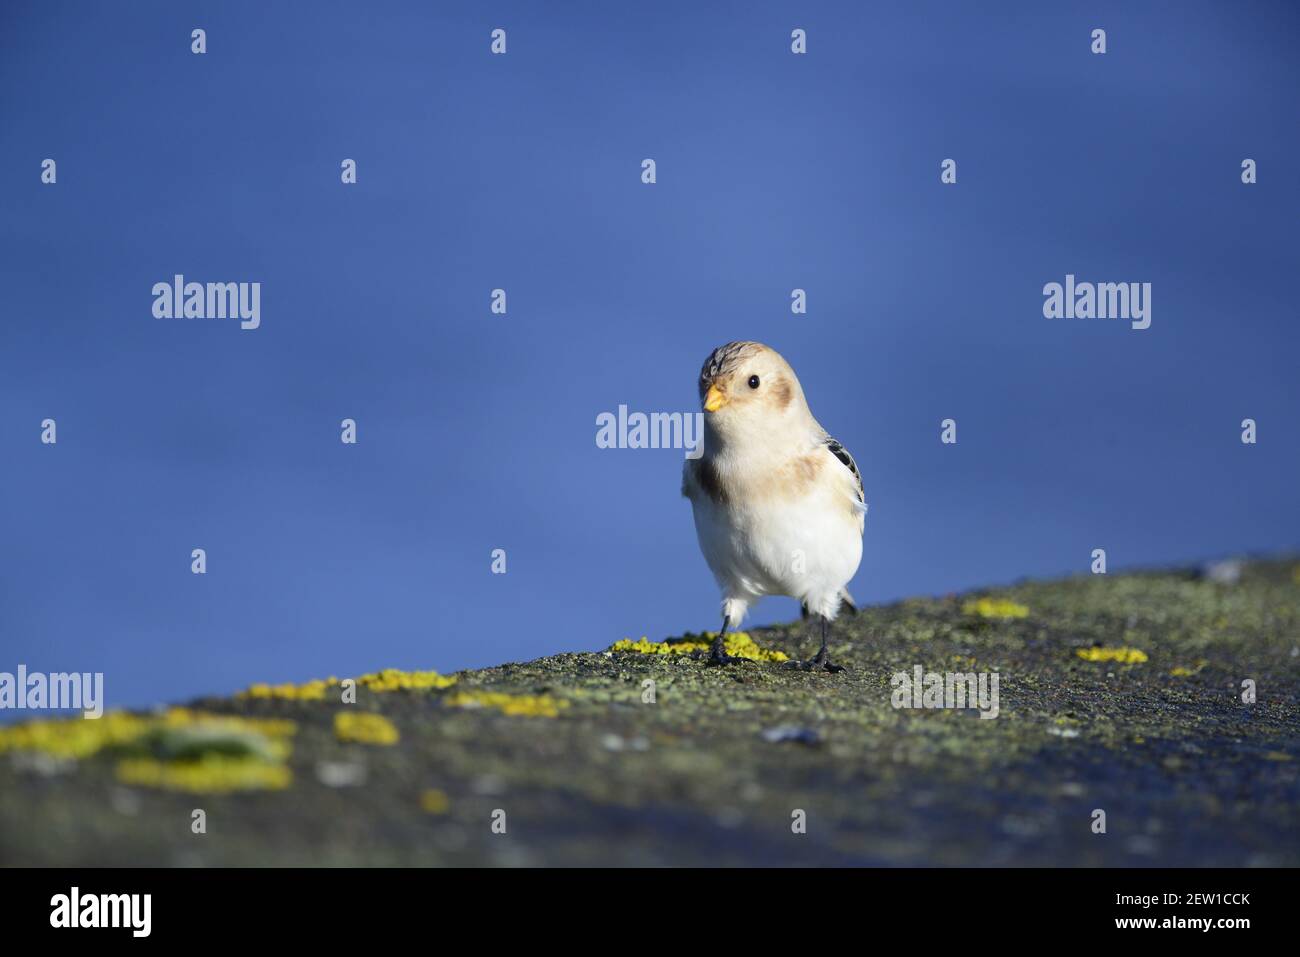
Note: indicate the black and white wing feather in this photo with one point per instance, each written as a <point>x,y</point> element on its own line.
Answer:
<point>841,453</point>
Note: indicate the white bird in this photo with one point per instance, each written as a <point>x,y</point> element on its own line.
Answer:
<point>779,507</point>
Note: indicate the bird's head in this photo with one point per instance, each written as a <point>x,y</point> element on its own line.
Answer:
<point>747,388</point>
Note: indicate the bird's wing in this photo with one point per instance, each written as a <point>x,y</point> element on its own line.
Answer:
<point>841,453</point>
<point>690,487</point>
<point>700,480</point>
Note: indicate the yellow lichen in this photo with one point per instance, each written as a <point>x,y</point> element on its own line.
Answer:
<point>525,705</point>
<point>390,679</point>
<point>364,727</point>
<point>177,750</point>
<point>1181,671</point>
<point>1125,656</point>
<point>211,774</point>
<point>271,727</point>
<point>80,738</point>
<point>74,737</point>
<point>738,644</point>
<point>994,608</point>
<point>434,801</point>
<point>308,691</point>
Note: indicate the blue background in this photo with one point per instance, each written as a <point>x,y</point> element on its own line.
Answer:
<point>522,171</point>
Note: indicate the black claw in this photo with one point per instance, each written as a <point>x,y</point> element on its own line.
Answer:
<point>824,662</point>
<point>724,659</point>
<point>819,662</point>
<point>717,654</point>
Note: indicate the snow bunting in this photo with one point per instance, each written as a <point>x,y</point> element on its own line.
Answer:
<point>778,503</point>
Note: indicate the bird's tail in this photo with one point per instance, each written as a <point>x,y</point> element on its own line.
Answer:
<point>846,605</point>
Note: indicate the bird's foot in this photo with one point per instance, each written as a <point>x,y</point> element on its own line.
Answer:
<point>717,655</point>
<point>719,658</point>
<point>818,662</point>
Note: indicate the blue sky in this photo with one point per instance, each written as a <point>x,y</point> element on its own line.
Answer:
<point>522,171</point>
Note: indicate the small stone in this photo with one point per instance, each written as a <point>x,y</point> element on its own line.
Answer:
<point>1222,573</point>
<point>791,732</point>
<point>340,774</point>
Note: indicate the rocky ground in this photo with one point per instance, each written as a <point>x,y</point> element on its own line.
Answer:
<point>1119,693</point>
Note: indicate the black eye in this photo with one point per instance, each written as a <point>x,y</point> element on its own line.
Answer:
<point>753,382</point>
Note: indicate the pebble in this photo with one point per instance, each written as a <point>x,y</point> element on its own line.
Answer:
<point>1222,573</point>
<point>791,732</point>
<point>340,774</point>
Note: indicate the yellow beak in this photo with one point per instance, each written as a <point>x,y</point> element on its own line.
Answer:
<point>714,399</point>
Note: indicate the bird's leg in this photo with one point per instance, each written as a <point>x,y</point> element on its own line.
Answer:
<point>718,653</point>
<point>820,661</point>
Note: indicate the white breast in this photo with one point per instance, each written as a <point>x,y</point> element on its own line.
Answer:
<point>806,547</point>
